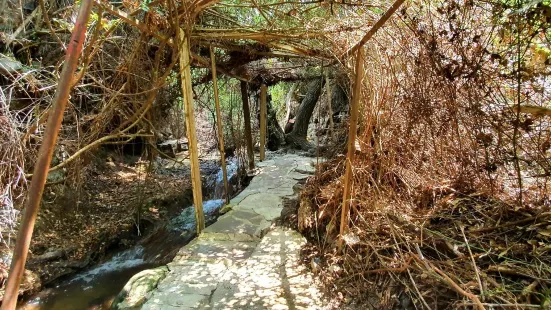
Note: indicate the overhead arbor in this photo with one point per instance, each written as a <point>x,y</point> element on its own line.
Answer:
<point>168,33</point>
<point>248,36</point>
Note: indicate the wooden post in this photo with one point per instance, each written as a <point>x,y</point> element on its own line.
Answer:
<point>330,107</point>
<point>354,107</point>
<point>44,159</point>
<point>247,118</point>
<point>187,93</point>
<point>263,112</point>
<point>219,126</point>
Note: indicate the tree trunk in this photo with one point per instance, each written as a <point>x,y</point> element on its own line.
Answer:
<point>262,120</point>
<point>339,103</point>
<point>289,100</point>
<point>297,137</point>
<point>247,123</point>
<point>276,137</point>
<point>291,106</point>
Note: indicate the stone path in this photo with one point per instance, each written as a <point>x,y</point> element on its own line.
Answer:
<point>242,261</point>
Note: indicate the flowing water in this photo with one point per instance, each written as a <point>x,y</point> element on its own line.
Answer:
<point>96,287</point>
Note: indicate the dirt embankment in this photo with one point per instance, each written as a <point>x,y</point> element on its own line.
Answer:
<point>118,201</point>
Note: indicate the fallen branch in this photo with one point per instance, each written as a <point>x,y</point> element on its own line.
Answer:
<point>449,281</point>
<point>497,306</point>
<point>49,24</point>
<point>403,268</point>
<point>523,221</point>
<point>475,267</point>
<point>510,271</point>
<point>92,145</point>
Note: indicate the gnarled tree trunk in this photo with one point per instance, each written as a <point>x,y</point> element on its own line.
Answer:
<point>290,105</point>
<point>276,137</point>
<point>297,137</point>
<point>247,123</point>
<point>339,102</point>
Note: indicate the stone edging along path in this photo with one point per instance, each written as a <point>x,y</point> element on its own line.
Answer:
<point>242,261</point>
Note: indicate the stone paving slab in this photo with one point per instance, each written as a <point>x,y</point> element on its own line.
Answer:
<point>242,261</point>
<point>208,250</point>
<point>265,204</point>
<point>272,278</point>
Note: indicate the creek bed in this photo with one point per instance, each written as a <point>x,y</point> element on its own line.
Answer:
<point>98,286</point>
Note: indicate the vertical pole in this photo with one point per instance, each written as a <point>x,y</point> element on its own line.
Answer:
<point>351,145</point>
<point>219,126</point>
<point>263,112</point>
<point>247,118</point>
<point>44,159</point>
<point>330,107</point>
<point>187,92</point>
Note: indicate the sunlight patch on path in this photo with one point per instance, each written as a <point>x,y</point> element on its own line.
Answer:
<point>242,261</point>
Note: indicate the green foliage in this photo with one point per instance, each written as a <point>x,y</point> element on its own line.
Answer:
<point>144,5</point>
<point>62,24</point>
<point>230,103</point>
<point>278,14</point>
<point>279,94</point>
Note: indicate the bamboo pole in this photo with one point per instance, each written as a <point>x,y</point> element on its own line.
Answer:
<point>330,107</point>
<point>354,107</point>
<point>45,154</point>
<point>187,92</point>
<point>263,112</point>
<point>247,121</point>
<point>219,126</point>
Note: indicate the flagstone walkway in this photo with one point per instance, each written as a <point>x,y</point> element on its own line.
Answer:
<point>243,261</point>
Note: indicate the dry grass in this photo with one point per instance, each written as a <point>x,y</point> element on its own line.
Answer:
<point>445,251</point>
<point>450,202</point>
<point>12,178</point>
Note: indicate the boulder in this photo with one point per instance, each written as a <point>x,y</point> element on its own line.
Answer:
<point>173,146</point>
<point>136,291</point>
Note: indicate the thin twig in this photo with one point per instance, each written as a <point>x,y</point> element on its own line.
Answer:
<point>474,264</point>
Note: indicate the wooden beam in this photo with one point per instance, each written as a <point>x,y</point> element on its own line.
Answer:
<point>354,107</point>
<point>205,62</point>
<point>228,45</point>
<point>201,5</point>
<point>44,159</point>
<point>219,127</point>
<point>242,34</point>
<point>187,93</point>
<point>247,121</point>
<point>263,112</point>
<point>267,39</point>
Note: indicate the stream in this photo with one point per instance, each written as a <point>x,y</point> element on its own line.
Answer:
<point>97,287</point>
